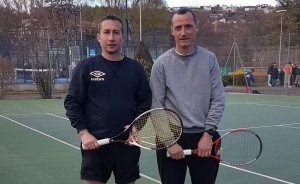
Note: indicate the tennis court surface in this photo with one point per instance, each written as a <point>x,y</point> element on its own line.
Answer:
<point>39,146</point>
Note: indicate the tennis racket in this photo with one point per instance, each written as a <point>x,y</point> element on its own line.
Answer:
<point>237,148</point>
<point>154,129</point>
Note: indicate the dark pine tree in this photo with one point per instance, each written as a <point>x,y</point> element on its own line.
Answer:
<point>144,57</point>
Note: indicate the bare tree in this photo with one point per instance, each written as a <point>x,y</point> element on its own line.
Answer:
<point>116,7</point>
<point>7,78</point>
<point>154,15</point>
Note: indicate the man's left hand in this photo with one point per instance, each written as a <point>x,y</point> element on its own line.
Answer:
<point>205,145</point>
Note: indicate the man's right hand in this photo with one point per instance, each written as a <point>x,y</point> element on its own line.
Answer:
<point>176,151</point>
<point>88,140</point>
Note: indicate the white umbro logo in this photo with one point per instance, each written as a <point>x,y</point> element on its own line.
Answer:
<point>97,75</point>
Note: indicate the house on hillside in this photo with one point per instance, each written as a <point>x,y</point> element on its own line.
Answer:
<point>206,8</point>
<point>229,8</point>
<point>214,16</point>
<point>250,8</point>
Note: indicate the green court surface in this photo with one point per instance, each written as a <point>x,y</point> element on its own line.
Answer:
<point>39,146</point>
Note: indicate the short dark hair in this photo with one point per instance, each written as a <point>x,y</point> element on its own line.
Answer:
<point>183,11</point>
<point>252,70</point>
<point>111,17</point>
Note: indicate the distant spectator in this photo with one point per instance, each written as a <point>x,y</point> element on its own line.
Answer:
<point>249,79</point>
<point>297,81</point>
<point>274,75</point>
<point>287,75</point>
<point>269,73</point>
<point>294,73</point>
<point>281,77</point>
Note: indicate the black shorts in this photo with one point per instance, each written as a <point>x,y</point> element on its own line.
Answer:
<point>121,159</point>
<point>202,170</point>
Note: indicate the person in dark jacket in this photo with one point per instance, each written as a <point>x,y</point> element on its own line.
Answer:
<point>250,79</point>
<point>281,77</point>
<point>274,75</point>
<point>297,81</point>
<point>269,73</point>
<point>294,74</point>
<point>106,93</point>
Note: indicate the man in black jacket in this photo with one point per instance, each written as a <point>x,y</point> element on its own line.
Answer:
<point>269,72</point>
<point>297,81</point>
<point>281,77</point>
<point>105,94</point>
<point>294,74</point>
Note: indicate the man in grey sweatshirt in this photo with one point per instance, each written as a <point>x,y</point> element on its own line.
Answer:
<point>187,80</point>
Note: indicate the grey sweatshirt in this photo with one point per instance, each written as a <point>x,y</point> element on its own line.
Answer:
<point>190,85</point>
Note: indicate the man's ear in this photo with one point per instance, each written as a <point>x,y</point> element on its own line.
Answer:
<point>171,30</point>
<point>98,37</point>
<point>197,28</point>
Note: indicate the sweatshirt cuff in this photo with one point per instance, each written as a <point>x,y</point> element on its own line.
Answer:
<point>80,127</point>
<point>207,127</point>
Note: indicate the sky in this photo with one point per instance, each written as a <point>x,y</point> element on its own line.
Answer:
<point>179,3</point>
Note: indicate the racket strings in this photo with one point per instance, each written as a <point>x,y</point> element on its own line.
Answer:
<point>240,148</point>
<point>158,129</point>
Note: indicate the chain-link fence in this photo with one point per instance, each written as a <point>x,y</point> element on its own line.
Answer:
<point>252,52</point>
<point>46,53</point>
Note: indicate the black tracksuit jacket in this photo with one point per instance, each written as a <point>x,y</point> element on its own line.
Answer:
<point>104,96</point>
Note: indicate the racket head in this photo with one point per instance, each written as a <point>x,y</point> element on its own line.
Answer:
<point>156,129</point>
<point>238,147</point>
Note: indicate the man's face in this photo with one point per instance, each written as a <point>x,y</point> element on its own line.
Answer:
<point>110,36</point>
<point>184,30</point>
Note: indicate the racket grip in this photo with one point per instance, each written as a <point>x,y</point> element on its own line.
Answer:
<point>100,142</point>
<point>186,152</point>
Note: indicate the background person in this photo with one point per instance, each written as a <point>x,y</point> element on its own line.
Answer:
<point>250,79</point>
<point>287,74</point>
<point>269,73</point>
<point>297,81</point>
<point>274,75</point>
<point>294,74</point>
<point>281,77</point>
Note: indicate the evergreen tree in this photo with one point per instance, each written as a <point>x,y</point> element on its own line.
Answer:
<point>144,57</point>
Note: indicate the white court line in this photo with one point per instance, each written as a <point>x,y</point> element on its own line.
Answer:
<point>258,174</point>
<point>281,102</point>
<point>265,102</point>
<point>30,114</point>
<point>272,178</point>
<point>39,132</point>
<point>259,103</point>
<point>152,179</point>
<point>266,126</point>
<point>148,143</point>
<point>292,127</point>
<point>283,106</point>
<point>149,178</point>
<point>236,103</point>
<point>57,116</point>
